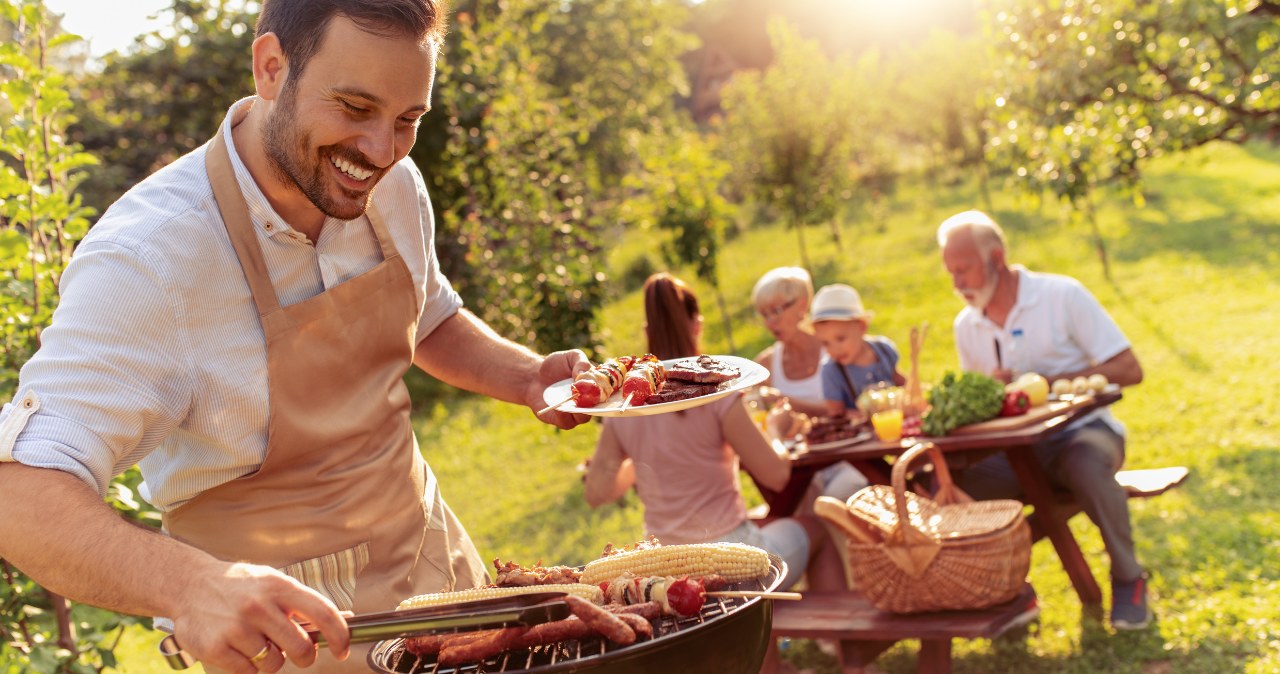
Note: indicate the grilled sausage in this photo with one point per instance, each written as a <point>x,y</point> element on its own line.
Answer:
<point>432,643</point>
<point>560,630</point>
<point>492,643</point>
<point>643,628</point>
<point>607,624</point>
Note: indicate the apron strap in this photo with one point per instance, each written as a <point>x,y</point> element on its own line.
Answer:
<point>235,217</point>
<point>380,231</point>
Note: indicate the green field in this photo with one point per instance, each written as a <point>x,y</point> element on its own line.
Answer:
<point>1196,285</point>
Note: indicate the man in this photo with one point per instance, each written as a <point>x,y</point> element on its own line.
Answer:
<point>1066,334</point>
<point>239,325</point>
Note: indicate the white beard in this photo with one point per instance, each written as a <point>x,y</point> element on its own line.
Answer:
<point>979,298</point>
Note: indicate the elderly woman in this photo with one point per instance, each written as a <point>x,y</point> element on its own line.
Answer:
<point>795,360</point>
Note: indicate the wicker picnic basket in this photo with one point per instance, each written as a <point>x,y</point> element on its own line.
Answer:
<point>910,554</point>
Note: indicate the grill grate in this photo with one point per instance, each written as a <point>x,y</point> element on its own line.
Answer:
<point>390,656</point>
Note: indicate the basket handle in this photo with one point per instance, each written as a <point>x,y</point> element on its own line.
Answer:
<point>947,491</point>
<point>908,547</point>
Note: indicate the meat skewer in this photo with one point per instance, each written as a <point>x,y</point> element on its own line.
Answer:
<point>645,378</point>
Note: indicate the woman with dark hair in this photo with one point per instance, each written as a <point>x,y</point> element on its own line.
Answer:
<point>684,465</point>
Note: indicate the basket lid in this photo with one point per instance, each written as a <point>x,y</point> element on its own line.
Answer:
<point>876,506</point>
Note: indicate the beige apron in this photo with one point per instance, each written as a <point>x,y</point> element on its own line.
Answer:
<point>343,501</point>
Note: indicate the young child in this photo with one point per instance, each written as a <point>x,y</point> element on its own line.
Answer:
<point>857,360</point>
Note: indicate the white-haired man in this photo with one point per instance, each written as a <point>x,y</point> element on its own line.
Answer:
<point>1065,334</point>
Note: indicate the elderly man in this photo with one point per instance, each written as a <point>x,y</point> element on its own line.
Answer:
<point>1065,334</point>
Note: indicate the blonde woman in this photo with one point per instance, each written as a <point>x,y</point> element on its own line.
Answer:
<point>794,361</point>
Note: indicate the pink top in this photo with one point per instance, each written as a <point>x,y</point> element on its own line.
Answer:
<point>686,474</point>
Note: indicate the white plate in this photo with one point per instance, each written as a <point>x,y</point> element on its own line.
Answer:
<point>862,436</point>
<point>750,374</point>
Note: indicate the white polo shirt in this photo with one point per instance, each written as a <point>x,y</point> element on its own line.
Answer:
<point>1064,329</point>
<point>156,356</point>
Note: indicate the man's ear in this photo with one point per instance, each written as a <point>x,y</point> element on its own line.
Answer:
<point>270,67</point>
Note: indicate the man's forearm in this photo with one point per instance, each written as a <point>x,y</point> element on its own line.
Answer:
<point>465,352</point>
<point>60,532</point>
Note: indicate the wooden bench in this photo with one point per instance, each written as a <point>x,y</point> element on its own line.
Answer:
<point>864,632</point>
<point>1143,483</point>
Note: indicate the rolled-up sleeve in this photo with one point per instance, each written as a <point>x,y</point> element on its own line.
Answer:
<point>110,374</point>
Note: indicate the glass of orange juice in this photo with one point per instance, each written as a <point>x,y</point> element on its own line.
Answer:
<point>886,413</point>
<point>888,424</point>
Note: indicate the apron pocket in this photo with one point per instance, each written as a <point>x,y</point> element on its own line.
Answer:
<point>333,575</point>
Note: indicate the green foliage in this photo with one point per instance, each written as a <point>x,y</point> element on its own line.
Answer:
<point>941,98</point>
<point>1087,91</point>
<point>166,96</point>
<point>41,219</point>
<point>541,108</point>
<point>959,400</point>
<point>799,133</point>
<point>41,215</point>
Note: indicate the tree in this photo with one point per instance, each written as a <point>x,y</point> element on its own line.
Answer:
<point>942,95</point>
<point>540,109</point>
<point>1088,91</point>
<point>797,132</point>
<point>685,206</point>
<point>165,97</point>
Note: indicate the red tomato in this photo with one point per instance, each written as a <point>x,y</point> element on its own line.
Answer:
<point>686,596</point>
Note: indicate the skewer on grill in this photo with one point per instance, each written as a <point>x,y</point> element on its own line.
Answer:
<point>788,596</point>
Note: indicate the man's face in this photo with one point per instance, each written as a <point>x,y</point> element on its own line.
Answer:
<point>335,131</point>
<point>973,278</point>
<point>842,339</point>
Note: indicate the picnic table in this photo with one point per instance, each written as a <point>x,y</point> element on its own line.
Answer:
<point>1050,512</point>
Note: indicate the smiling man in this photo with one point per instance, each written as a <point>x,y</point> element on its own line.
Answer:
<point>239,325</point>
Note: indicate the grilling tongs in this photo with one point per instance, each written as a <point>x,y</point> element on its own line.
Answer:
<point>523,609</point>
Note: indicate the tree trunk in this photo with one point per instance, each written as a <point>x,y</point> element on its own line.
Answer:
<point>798,224</point>
<point>984,183</point>
<point>835,234</point>
<point>724,315</point>
<point>1099,243</point>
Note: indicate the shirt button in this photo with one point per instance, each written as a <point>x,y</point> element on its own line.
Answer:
<point>269,226</point>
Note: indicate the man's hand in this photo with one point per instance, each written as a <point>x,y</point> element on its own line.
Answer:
<point>229,618</point>
<point>555,367</point>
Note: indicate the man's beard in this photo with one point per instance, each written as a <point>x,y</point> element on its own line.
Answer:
<point>288,149</point>
<point>981,297</point>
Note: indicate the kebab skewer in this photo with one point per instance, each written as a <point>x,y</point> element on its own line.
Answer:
<point>644,379</point>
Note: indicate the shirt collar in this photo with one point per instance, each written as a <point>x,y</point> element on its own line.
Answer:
<point>263,216</point>
<point>1028,292</point>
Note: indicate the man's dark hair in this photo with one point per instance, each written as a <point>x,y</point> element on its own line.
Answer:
<point>300,24</point>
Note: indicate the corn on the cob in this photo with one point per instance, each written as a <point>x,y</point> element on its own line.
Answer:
<point>588,592</point>
<point>733,561</point>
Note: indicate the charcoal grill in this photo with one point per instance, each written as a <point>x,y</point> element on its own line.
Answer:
<point>729,635</point>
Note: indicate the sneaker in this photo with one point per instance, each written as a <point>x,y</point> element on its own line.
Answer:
<point>1129,609</point>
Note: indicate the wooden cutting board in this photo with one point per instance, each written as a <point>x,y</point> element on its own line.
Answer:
<point>1034,415</point>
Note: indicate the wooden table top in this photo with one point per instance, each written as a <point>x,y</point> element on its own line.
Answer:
<point>1027,435</point>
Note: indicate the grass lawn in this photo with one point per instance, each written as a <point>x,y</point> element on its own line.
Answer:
<point>1196,286</point>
